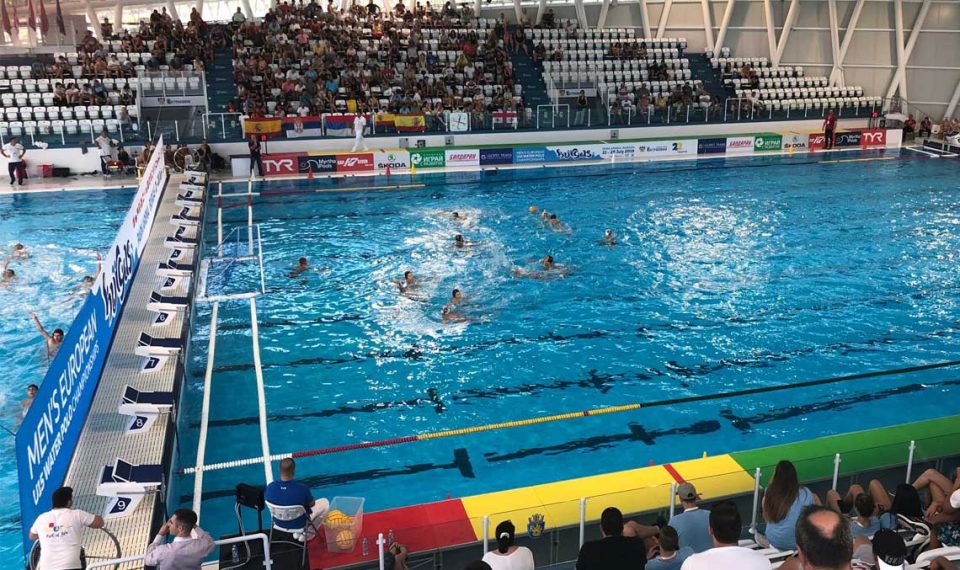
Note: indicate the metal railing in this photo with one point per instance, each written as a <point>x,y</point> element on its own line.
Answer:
<point>267,561</point>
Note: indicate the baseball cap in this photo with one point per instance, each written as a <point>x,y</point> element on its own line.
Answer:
<point>687,492</point>
<point>890,550</point>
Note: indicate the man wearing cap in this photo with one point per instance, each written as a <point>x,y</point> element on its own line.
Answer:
<point>693,524</point>
<point>889,549</point>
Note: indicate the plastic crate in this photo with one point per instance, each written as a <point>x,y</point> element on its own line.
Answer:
<point>343,523</point>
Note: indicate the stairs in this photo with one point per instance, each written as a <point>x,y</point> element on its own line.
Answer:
<point>220,87</point>
<point>700,68</point>
<point>530,75</point>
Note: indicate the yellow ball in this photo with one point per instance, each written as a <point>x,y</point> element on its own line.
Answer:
<point>336,519</point>
<point>345,540</point>
<point>532,209</point>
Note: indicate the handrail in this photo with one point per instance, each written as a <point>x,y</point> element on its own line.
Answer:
<point>267,561</point>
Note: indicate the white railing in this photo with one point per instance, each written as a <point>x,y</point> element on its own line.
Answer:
<point>267,562</point>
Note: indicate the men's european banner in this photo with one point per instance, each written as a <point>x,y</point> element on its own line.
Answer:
<point>48,436</point>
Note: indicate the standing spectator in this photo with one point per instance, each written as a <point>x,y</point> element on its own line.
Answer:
<point>186,552</point>
<point>359,123</point>
<point>671,556</point>
<point>782,503</point>
<point>693,524</point>
<point>613,551</point>
<point>14,151</point>
<point>582,105</point>
<point>254,145</point>
<point>824,542</point>
<point>726,553</point>
<point>829,126</point>
<point>60,532</point>
<point>288,492</point>
<point>238,18</point>
<point>508,556</point>
<point>106,149</point>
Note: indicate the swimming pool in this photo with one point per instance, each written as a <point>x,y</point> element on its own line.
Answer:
<point>729,273</point>
<point>63,231</point>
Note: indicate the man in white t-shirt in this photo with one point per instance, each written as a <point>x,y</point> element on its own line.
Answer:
<point>60,532</point>
<point>359,123</point>
<point>726,554</point>
<point>106,149</point>
<point>14,151</point>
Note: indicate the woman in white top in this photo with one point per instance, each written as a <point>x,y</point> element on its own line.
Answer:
<point>508,556</point>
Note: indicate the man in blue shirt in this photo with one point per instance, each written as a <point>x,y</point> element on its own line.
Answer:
<point>286,493</point>
<point>693,524</point>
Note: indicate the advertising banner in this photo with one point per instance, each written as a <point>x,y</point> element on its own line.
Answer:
<point>462,157</point>
<point>767,142</point>
<point>173,101</point>
<point>529,154</point>
<point>392,159</point>
<point>846,139</point>
<point>739,145</point>
<point>323,163</point>
<point>619,150</point>
<point>571,153</point>
<point>428,158</point>
<point>794,141</point>
<point>48,436</point>
<point>712,146</point>
<point>496,156</point>
<point>816,141</point>
<point>873,137</point>
<point>650,149</point>
<point>279,164</point>
<point>355,162</point>
<point>683,147</point>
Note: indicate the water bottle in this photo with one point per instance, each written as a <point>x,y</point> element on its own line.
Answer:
<point>235,554</point>
<point>390,538</point>
<point>365,547</point>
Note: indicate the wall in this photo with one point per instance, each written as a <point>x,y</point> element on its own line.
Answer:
<point>73,158</point>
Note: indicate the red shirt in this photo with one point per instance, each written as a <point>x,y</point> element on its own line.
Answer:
<point>830,122</point>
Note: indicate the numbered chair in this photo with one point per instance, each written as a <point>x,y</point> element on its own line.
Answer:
<point>174,269</point>
<point>143,408</point>
<point>150,346</point>
<point>189,200</point>
<point>185,217</point>
<point>300,535</point>
<point>180,242</point>
<point>125,485</point>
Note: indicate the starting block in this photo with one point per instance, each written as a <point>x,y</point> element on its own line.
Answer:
<point>143,408</point>
<point>125,484</point>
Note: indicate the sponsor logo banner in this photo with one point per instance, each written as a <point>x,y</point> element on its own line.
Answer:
<point>795,141</point>
<point>529,154</point>
<point>873,137</point>
<point>739,145</point>
<point>47,438</point>
<point>428,158</point>
<point>712,146</point>
<point>355,162</point>
<point>571,153</point>
<point>496,156</point>
<point>816,141</point>
<point>767,142</point>
<point>317,164</point>
<point>463,157</point>
<point>393,159</point>
<point>667,148</point>
<point>173,101</point>
<point>279,164</point>
<point>846,139</point>
<point>622,150</point>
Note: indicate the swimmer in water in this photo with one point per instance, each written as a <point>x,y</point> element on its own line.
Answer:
<point>408,282</point>
<point>608,237</point>
<point>545,216</point>
<point>457,217</point>
<point>302,265</point>
<point>449,315</point>
<point>89,281</point>
<point>460,243</point>
<point>7,273</point>
<point>20,251</point>
<point>456,297</point>
<point>550,270</point>
<point>53,340</point>
<point>28,401</point>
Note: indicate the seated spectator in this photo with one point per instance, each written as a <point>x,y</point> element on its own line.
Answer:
<point>72,94</point>
<point>926,126</point>
<point>943,510</point>
<point>864,519</point>
<point>59,94</point>
<point>726,554</point>
<point>823,541</point>
<point>287,492</point>
<point>613,550</point>
<point>508,556</point>
<point>190,545</point>
<point>909,127</point>
<point>782,503</point>
<point>693,524</point>
<point>671,556</point>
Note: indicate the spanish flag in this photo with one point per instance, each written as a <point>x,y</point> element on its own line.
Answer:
<point>409,123</point>
<point>265,127</point>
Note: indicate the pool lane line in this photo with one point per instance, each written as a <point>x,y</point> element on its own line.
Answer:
<point>839,160</point>
<point>569,416</point>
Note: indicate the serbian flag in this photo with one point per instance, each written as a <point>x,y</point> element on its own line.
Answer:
<point>5,17</point>
<point>410,123</point>
<point>508,118</point>
<point>60,26</point>
<point>341,125</point>
<point>263,127</point>
<point>32,18</point>
<point>296,127</point>
<point>44,24</point>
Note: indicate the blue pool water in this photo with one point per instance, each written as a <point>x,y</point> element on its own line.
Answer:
<point>63,231</point>
<point>729,274</point>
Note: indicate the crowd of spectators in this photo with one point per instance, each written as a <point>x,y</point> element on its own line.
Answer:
<point>305,59</point>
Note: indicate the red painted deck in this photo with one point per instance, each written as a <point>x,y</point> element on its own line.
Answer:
<point>420,528</point>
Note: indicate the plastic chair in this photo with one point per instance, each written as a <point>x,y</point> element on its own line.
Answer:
<point>291,513</point>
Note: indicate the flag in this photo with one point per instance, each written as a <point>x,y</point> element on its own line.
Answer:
<point>410,123</point>
<point>504,118</point>
<point>341,125</point>
<point>265,127</point>
<point>60,26</point>
<point>32,18</point>
<point>44,25</point>
<point>296,127</point>
<point>6,17</point>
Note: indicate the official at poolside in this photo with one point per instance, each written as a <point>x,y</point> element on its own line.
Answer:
<point>190,545</point>
<point>60,532</point>
<point>287,492</point>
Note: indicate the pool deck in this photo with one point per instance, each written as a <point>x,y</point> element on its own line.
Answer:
<point>456,521</point>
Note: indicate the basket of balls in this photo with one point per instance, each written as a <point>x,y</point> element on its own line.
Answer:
<point>343,523</point>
